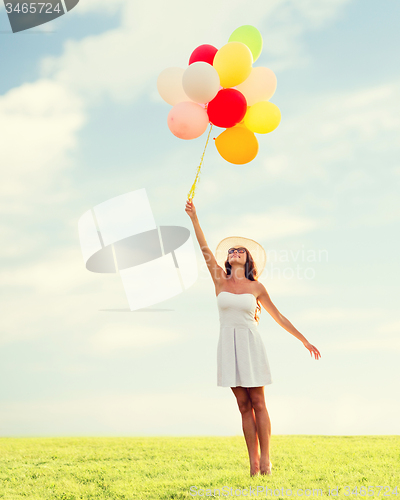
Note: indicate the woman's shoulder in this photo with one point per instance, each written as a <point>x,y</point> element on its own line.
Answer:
<point>259,288</point>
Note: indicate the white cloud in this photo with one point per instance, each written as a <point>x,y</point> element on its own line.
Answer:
<point>378,335</point>
<point>102,7</point>
<point>120,337</point>
<point>54,294</point>
<point>334,414</point>
<point>123,414</point>
<point>193,413</point>
<point>332,130</point>
<point>391,327</point>
<point>57,271</point>
<point>125,62</point>
<point>327,140</point>
<point>387,344</point>
<point>277,223</point>
<point>16,243</point>
<point>341,315</point>
<point>38,123</point>
<point>321,12</point>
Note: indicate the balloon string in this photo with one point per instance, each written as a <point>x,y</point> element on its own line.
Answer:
<point>193,188</point>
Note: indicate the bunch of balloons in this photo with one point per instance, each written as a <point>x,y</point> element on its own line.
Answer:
<point>223,88</point>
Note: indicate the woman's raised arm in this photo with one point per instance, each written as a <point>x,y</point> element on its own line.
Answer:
<point>213,267</point>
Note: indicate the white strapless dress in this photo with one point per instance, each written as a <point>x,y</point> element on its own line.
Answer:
<point>241,354</point>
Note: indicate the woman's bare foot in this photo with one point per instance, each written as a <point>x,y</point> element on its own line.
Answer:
<point>266,469</point>
<point>255,466</point>
<point>254,470</point>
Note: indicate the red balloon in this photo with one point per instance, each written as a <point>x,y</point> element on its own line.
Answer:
<point>227,108</point>
<point>204,53</point>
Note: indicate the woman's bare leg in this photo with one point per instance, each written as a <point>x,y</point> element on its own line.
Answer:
<point>263,425</point>
<point>248,426</point>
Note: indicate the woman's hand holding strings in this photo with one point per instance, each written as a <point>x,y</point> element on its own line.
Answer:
<point>190,209</point>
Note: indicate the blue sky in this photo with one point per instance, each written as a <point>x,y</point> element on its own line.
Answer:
<point>81,122</point>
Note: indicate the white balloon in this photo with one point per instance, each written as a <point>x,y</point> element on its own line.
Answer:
<point>201,82</point>
<point>169,86</point>
<point>259,86</point>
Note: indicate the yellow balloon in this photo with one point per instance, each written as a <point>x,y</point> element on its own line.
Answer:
<point>262,117</point>
<point>237,145</point>
<point>233,63</point>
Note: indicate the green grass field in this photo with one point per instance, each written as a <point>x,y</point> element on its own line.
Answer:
<point>166,467</point>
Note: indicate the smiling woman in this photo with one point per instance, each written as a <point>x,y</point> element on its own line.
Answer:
<point>242,362</point>
<point>254,266</point>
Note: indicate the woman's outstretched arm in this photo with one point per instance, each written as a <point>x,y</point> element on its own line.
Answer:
<point>266,302</point>
<point>213,267</point>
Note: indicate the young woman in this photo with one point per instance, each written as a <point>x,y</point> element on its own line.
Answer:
<point>242,361</point>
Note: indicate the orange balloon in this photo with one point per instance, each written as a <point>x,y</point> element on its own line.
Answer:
<point>237,145</point>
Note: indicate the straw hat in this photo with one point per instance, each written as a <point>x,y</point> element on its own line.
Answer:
<point>256,250</point>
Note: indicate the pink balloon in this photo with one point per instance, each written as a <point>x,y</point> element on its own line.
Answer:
<point>187,120</point>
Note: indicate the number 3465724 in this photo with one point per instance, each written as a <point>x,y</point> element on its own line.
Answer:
<point>369,491</point>
<point>33,8</point>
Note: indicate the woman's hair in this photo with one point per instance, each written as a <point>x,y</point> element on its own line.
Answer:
<point>250,271</point>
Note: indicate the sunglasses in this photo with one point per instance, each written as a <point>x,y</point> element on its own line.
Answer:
<point>240,250</point>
